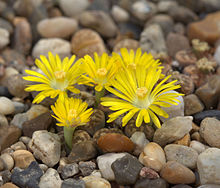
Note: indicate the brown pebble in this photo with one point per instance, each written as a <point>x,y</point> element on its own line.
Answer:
<point>148,173</point>
<point>185,141</point>
<point>114,142</point>
<point>129,44</point>
<point>9,185</point>
<point>185,57</point>
<point>23,158</point>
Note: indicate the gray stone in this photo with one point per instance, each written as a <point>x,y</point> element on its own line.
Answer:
<point>3,121</point>
<point>69,170</point>
<point>6,106</point>
<point>198,146</point>
<point>6,25</point>
<point>86,168</point>
<point>119,14</point>
<point>19,107</point>
<point>70,183</point>
<point>4,38</point>
<point>209,186</point>
<point>173,130</point>
<point>148,183</point>
<point>19,119</point>
<point>192,104</point>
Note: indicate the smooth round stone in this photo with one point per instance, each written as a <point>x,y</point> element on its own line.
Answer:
<point>130,44</point>
<point>181,154</point>
<point>197,118</point>
<point>18,146</point>
<point>119,14</point>
<point>175,173</point>
<point>208,164</point>
<point>114,142</point>
<point>48,27</point>
<point>6,106</point>
<point>7,160</point>
<point>96,182</point>
<point>25,139</point>
<point>183,141</point>
<point>210,131</point>
<point>19,119</point>
<point>151,183</point>
<point>3,121</point>
<point>154,156</point>
<point>54,45</point>
<point>198,146</point>
<point>23,158</point>
<point>4,38</point>
<point>35,111</point>
<point>19,107</point>
<point>192,104</point>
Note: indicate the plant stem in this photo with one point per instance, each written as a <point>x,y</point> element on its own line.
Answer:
<point>98,96</point>
<point>68,135</point>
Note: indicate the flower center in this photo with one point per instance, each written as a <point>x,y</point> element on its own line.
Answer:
<point>101,72</point>
<point>60,75</point>
<point>141,92</point>
<point>72,114</point>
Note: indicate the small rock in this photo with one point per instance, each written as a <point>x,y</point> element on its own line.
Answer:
<point>198,146</point>
<point>6,106</point>
<point>217,55</point>
<point>175,173</point>
<point>22,35</point>
<point>18,146</point>
<point>19,107</point>
<point>22,178</point>
<point>166,6</point>
<point>104,163</point>
<point>96,182</point>
<point>209,186</point>
<point>50,179</point>
<point>87,41</point>
<point>5,176</point>
<point>173,129</point>
<point>210,131</point>
<point>7,160</point>
<point>19,119</point>
<point>181,154</point>
<point>152,39</point>
<point>148,183</point>
<point>69,170</point>
<point>130,44</point>
<point>209,166</point>
<point>73,7</point>
<point>46,146</point>
<point>204,114</point>
<point>126,169</point>
<point>9,185</point>
<point>25,139</point>
<point>172,40</point>
<point>3,121</point>
<point>83,151</point>
<point>119,14</point>
<point>154,156</point>
<point>4,38</point>
<point>96,19</point>
<point>201,29</point>
<point>42,122</point>
<point>4,90</point>
<point>70,183</point>
<point>148,173</point>
<point>8,136</point>
<point>183,141</point>
<point>192,104</point>
<point>114,142</point>
<point>48,27</point>
<point>23,158</point>
<point>86,168</point>
<point>54,45</point>
<point>6,25</point>
<point>43,167</point>
<point>35,111</point>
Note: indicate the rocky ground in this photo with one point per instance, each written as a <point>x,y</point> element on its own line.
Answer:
<point>184,153</point>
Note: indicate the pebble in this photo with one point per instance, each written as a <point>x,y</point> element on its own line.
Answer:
<point>201,29</point>
<point>148,183</point>
<point>23,158</point>
<point>173,129</point>
<point>104,163</point>
<point>43,167</point>
<point>70,183</point>
<point>83,151</point>
<point>73,7</point>
<point>87,41</point>
<point>174,110</point>
<point>210,131</point>
<point>198,146</point>
<point>8,136</point>
<point>209,92</point>
<point>148,173</point>
<point>25,139</point>
<point>173,39</point>
<point>69,170</point>
<point>152,39</point>
<point>119,14</point>
<point>4,24</point>
<point>9,185</point>
<point>2,166</point>
<point>130,44</point>
<point>166,6</point>
<point>126,169</point>
<point>184,141</point>
<point>175,173</point>
<point>4,90</point>
<point>51,178</point>
<point>86,168</point>
<point>22,40</point>
<point>209,186</point>
<point>22,178</point>
<point>209,166</point>
<point>18,146</point>
<point>96,182</point>
<point>16,86</point>
<point>3,121</point>
<point>115,142</point>
<point>46,146</point>
<point>8,161</point>
<point>154,156</point>
<point>54,45</point>
<point>5,176</point>
<point>35,111</point>
<point>19,119</point>
<point>19,107</point>
<point>181,154</point>
<point>4,38</point>
<point>204,114</point>
<point>41,122</point>
<point>48,27</point>
<point>97,19</point>
<point>6,106</point>
<point>192,105</point>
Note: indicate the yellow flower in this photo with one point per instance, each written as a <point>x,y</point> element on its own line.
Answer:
<point>71,112</point>
<point>58,77</point>
<point>139,93</point>
<point>98,72</point>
